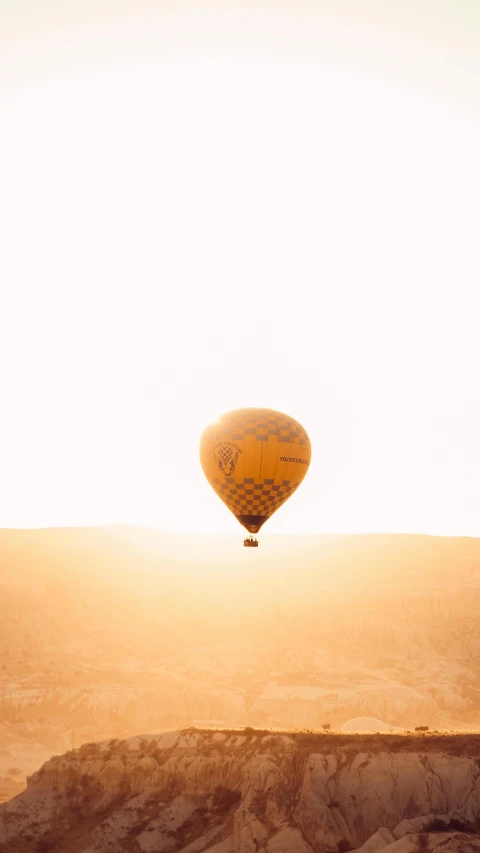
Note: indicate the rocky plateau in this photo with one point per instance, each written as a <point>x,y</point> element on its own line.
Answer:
<point>252,792</point>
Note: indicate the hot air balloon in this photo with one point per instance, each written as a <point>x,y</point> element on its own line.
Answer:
<point>254,459</point>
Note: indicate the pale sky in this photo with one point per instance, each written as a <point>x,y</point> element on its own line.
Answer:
<point>205,206</point>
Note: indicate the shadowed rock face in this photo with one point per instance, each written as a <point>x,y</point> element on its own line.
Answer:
<point>230,792</point>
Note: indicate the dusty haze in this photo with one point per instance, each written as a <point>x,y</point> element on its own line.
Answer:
<point>116,631</point>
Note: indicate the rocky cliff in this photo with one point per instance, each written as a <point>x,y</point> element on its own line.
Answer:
<point>252,792</point>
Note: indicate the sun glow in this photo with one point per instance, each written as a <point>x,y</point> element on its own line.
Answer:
<point>188,236</point>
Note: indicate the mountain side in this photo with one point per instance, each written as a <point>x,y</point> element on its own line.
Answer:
<point>252,792</point>
<point>109,631</point>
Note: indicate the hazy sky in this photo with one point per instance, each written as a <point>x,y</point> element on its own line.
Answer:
<point>211,205</point>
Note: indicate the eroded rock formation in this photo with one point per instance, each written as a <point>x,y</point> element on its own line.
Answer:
<point>252,792</point>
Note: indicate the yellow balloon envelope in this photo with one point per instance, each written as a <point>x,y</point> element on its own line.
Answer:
<point>254,459</point>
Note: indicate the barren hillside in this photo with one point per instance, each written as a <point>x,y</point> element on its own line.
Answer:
<point>106,632</point>
<point>243,792</point>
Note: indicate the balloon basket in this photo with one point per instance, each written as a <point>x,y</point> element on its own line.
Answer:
<point>250,542</point>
